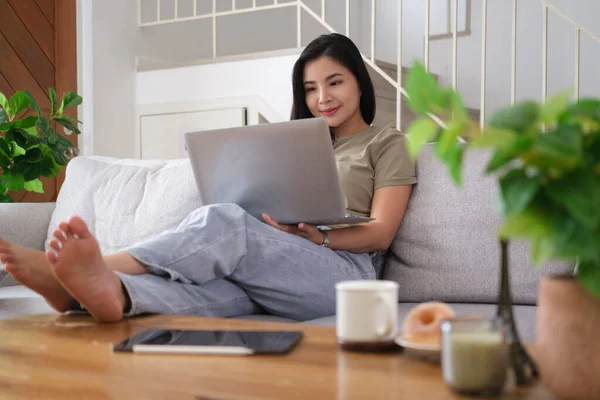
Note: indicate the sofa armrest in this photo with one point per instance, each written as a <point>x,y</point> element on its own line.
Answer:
<point>26,224</point>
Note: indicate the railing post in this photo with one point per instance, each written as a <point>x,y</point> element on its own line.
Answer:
<point>545,53</point>
<point>577,60</point>
<point>158,6</point>
<point>455,47</point>
<point>513,74</point>
<point>399,70</point>
<point>373,16</point>
<point>348,18</point>
<point>298,25</point>
<point>427,18</point>
<point>483,61</point>
<point>214,27</point>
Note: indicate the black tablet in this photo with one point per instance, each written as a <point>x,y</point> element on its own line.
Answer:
<point>210,342</point>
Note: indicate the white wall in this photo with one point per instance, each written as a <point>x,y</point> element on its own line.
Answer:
<point>107,38</point>
<point>270,78</point>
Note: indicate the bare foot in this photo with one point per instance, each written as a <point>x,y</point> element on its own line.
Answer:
<point>31,268</point>
<point>80,268</point>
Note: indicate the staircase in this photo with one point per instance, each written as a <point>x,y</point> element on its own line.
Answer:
<point>388,90</point>
<point>385,95</point>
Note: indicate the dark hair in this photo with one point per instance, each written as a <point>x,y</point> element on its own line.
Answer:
<point>345,52</point>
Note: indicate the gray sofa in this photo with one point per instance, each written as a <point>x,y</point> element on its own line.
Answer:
<point>445,249</point>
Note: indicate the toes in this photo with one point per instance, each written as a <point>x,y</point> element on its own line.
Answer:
<point>60,235</point>
<point>52,257</point>
<point>55,245</point>
<point>66,231</point>
<point>79,227</point>
<point>6,259</point>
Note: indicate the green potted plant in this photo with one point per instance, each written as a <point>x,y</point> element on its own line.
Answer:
<point>29,146</point>
<point>547,161</point>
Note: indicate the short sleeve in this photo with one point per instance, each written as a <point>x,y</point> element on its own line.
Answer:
<point>393,165</point>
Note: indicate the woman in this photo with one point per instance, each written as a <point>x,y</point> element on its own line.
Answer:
<point>222,262</point>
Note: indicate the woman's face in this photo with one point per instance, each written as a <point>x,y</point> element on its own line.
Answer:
<point>331,91</point>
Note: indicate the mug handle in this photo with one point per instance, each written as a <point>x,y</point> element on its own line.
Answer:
<point>387,327</point>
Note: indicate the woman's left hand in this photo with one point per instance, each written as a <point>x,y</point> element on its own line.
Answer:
<point>307,231</point>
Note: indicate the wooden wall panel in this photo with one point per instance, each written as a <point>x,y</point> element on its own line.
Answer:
<point>66,60</point>
<point>23,43</point>
<point>34,56</point>
<point>47,7</point>
<point>5,86</point>
<point>36,23</point>
<point>17,74</point>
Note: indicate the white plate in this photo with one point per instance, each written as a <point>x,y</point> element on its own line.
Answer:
<point>430,352</point>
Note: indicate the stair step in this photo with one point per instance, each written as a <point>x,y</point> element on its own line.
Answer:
<point>386,113</point>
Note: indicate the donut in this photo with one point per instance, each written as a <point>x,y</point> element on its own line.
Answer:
<point>422,323</point>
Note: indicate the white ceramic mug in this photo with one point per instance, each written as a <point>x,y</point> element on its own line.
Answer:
<point>366,313</point>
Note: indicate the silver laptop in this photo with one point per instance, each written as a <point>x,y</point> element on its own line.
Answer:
<point>286,170</point>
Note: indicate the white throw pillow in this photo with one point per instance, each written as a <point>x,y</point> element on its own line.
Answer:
<point>126,201</point>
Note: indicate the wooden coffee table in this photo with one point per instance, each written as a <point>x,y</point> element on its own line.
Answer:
<point>69,357</point>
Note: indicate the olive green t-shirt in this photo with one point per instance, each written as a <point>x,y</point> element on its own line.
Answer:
<point>369,160</point>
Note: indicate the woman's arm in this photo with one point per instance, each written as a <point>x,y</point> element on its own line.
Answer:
<point>388,208</point>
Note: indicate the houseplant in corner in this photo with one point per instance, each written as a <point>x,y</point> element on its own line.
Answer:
<point>547,161</point>
<point>29,145</point>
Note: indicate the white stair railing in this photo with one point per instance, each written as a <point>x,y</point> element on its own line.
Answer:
<point>396,81</point>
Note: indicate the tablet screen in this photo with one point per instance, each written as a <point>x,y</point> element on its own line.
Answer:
<point>210,341</point>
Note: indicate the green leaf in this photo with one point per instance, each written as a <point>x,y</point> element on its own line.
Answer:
<point>18,102</point>
<point>5,198</point>
<point>589,276</point>
<point>541,249</point>
<point>53,100</point>
<point>33,103</point>
<point>70,99</point>
<point>579,193</point>
<point>517,191</point>
<point>519,117</point>
<point>529,224</point>
<point>69,118</point>
<point>3,116</point>
<point>5,105</point>
<point>4,147</point>
<point>33,155</point>
<point>453,160</point>
<point>34,186</point>
<point>25,123</point>
<point>555,106</point>
<point>16,149</point>
<point>560,149</point>
<point>494,138</point>
<point>46,165</point>
<point>67,124</point>
<point>62,144</point>
<point>424,94</point>
<point>420,132</point>
<point>23,139</point>
<point>12,181</point>
<point>508,153</point>
<point>47,131</point>
<point>573,240</point>
<point>584,109</point>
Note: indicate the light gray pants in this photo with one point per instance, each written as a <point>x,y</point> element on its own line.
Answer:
<point>220,261</point>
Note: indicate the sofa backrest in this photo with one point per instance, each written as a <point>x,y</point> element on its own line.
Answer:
<point>126,201</point>
<point>446,248</point>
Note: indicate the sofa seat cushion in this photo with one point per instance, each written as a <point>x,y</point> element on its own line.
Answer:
<point>126,201</point>
<point>446,248</point>
<point>524,316</point>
